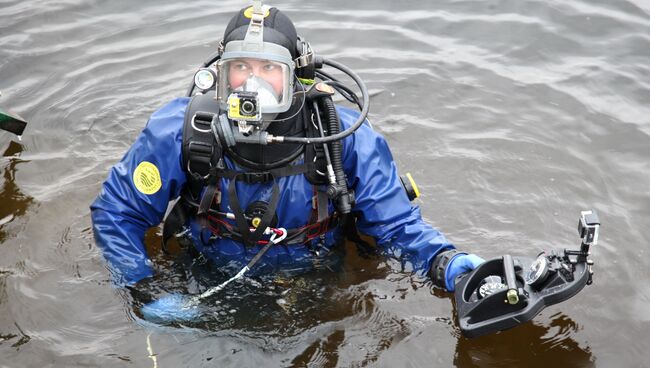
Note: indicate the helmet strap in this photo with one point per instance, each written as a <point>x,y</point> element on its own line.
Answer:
<point>254,40</point>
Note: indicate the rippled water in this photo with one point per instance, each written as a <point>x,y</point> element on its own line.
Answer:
<point>512,115</point>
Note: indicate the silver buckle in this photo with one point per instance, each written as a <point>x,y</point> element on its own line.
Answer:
<point>206,176</point>
<point>197,129</point>
<point>305,59</point>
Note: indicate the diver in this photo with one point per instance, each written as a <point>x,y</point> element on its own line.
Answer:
<point>266,171</point>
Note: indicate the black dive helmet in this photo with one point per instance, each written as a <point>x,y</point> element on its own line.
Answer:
<point>263,31</point>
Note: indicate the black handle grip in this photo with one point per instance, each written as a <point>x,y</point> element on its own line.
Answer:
<point>511,281</point>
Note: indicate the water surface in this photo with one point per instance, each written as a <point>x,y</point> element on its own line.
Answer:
<point>512,116</point>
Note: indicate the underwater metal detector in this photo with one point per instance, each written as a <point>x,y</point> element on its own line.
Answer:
<point>505,292</point>
<point>12,122</point>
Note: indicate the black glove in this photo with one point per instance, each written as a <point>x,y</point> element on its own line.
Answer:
<point>449,264</point>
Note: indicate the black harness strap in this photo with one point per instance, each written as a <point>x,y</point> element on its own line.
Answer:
<point>300,235</point>
<point>315,153</point>
<point>202,157</point>
<point>174,221</point>
<point>252,177</point>
<point>321,205</point>
<point>248,237</point>
<point>208,197</point>
<point>202,151</point>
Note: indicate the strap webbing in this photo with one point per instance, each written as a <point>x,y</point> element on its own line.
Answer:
<point>174,221</point>
<point>299,235</point>
<point>251,177</point>
<point>248,237</point>
<point>321,205</point>
<point>208,197</point>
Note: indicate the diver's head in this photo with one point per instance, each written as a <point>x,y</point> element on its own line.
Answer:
<point>256,69</point>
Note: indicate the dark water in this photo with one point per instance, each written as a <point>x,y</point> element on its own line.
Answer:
<point>512,115</point>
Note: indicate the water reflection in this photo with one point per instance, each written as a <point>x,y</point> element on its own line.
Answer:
<point>14,202</point>
<point>529,345</point>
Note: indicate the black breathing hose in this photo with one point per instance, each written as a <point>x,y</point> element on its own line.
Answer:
<point>365,98</point>
<point>344,206</point>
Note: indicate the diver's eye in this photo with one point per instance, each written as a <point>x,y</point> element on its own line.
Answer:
<point>240,67</point>
<point>270,67</point>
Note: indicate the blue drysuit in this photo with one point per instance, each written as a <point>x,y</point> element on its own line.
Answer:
<point>122,213</point>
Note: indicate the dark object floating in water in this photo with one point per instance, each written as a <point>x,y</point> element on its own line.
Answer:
<point>12,122</point>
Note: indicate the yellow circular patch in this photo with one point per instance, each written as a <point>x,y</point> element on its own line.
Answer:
<point>146,178</point>
<point>248,13</point>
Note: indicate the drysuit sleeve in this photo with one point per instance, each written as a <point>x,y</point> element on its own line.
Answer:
<point>382,207</point>
<point>136,193</point>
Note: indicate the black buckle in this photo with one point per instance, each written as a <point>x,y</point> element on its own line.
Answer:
<point>257,177</point>
<point>200,154</point>
<point>200,148</point>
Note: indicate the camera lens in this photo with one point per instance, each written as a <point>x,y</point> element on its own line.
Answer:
<point>247,107</point>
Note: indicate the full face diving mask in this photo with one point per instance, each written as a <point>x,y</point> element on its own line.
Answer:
<point>252,89</point>
<point>255,78</point>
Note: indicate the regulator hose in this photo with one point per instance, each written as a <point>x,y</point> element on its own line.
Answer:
<point>365,99</point>
<point>340,192</point>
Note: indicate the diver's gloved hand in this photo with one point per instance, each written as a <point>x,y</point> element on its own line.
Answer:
<point>461,263</point>
<point>171,308</point>
<point>451,263</point>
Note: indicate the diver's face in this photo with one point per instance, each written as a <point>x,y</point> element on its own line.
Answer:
<point>240,70</point>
